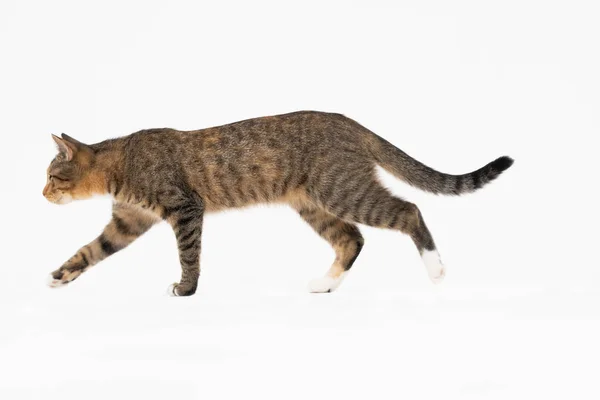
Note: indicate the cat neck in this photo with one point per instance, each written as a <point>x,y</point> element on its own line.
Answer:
<point>103,171</point>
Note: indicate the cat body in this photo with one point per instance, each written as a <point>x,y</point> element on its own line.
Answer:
<point>321,164</point>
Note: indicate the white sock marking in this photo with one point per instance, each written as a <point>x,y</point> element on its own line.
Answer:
<point>54,283</point>
<point>171,290</point>
<point>434,265</point>
<point>325,284</point>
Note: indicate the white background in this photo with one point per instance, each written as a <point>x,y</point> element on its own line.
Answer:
<point>455,84</point>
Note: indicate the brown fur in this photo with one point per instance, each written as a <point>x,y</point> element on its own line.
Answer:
<point>321,164</point>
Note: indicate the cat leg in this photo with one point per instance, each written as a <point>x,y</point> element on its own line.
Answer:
<point>364,200</point>
<point>186,219</point>
<point>127,224</point>
<point>345,239</point>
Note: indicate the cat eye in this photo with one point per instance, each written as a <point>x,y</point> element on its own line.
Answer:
<point>58,178</point>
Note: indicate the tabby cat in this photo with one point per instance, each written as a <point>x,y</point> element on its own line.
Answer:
<point>321,164</point>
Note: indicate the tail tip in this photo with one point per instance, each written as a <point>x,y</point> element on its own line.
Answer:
<point>503,163</point>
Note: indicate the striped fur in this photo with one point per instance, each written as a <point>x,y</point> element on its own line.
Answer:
<point>321,164</point>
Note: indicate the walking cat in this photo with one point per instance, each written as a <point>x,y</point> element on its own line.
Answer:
<point>321,164</point>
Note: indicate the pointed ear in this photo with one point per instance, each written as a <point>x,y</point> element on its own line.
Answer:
<point>77,145</point>
<point>69,139</point>
<point>66,148</point>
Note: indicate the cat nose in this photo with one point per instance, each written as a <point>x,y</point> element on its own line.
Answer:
<point>45,191</point>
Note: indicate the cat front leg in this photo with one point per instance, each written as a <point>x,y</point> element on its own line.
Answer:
<point>127,224</point>
<point>186,219</point>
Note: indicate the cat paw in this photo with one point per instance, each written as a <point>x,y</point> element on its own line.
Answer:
<point>55,283</point>
<point>172,290</point>
<point>61,277</point>
<point>435,269</point>
<point>436,279</point>
<point>326,284</point>
<point>176,290</point>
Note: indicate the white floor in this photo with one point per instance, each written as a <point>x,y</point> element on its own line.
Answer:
<point>451,344</point>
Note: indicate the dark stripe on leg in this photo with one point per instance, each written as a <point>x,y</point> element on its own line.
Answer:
<point>85,260</point>
<point>359,246</point>
<point>122,226</point>
<point>190,260</point>
<point>183,247</point>
<point>325,225</point>
<point>107,247</point>
<point>185,220</point>
<point>182,238</point>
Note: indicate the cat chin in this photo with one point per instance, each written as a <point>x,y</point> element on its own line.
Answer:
<point>65,199</point>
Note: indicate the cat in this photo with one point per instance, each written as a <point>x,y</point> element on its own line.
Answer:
<point>321,164</point>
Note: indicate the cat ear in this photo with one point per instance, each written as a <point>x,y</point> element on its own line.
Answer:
<point>77,145</point>
<point>66,148</point>
<point>69,139</point>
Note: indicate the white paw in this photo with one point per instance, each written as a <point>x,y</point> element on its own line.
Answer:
<point>325,284</point>
<point>54,283</point>
<point>434,266</point>
<point>439,277</point>
<point>171,291</point>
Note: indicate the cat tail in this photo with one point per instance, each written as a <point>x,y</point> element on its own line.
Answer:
<point>419,175</point>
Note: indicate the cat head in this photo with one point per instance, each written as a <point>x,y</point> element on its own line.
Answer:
<point>68,176</point>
